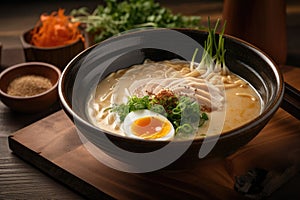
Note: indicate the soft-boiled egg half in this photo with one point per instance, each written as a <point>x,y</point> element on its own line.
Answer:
<point>148,125</point>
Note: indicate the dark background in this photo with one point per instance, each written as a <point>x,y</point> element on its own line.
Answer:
<point>19,16</point>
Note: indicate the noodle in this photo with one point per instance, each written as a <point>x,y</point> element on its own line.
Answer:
<point>211,90</point>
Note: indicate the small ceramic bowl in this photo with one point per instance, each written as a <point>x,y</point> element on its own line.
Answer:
<point>37,102</point>
<point>58,56</point>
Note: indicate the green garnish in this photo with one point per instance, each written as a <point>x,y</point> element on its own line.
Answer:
<point>116,17</point>
<point>213,57</point>
<point>183,112</point>
<point>185,129</point>
<point>122,110</point>
<point>133,104</point>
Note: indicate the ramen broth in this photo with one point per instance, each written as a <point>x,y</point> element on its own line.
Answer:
<point>230,94</point>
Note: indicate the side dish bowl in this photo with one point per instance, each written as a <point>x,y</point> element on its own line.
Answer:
<point>241,58</point>
<point>33,103</point>
<point>59,56</point>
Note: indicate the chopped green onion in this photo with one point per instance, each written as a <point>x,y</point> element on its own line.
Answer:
<point>183,112</point>
<point>185,129</point>
<point>158,109</point>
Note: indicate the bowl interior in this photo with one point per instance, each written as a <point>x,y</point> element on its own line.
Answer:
<point>241,58</point>
<point>85,71</point>
<point>41,69</point>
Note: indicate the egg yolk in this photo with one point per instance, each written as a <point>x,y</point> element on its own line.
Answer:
<point>150,127</point>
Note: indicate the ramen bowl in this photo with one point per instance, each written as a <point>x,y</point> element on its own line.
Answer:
<point>84,72</point>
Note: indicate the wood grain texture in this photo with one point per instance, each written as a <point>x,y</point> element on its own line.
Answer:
<point>52,144</point>
<point>16,174</point>
<point>20,180</point>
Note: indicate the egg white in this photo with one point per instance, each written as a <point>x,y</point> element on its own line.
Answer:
<point>134,115</point>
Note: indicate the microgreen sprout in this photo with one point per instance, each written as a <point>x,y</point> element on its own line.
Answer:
<point>213,56</point>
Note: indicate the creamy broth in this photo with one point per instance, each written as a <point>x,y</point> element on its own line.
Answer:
<point>215,94</point>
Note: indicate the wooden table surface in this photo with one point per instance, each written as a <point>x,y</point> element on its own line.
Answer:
<point>21,180</point>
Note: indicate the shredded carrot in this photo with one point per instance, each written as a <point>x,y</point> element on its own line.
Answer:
<point>55,29</point>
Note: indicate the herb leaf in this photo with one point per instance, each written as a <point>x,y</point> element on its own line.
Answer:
<point>116,17</point>
<point>183,112</point>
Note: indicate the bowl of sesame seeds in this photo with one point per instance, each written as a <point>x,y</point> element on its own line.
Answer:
<point>29,87</point>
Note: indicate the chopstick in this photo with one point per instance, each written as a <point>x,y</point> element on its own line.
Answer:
<point>291,100</point>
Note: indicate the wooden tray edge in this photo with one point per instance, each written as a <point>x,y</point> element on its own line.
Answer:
<point>56,172</point>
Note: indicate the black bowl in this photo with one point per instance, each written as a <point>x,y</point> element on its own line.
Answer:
<point>95,63</point>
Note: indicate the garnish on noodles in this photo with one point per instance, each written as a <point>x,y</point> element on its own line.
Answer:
<point>169,105</point>
<point>198,99</point>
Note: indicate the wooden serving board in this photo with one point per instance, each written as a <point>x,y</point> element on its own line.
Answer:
<point>53,146</point>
